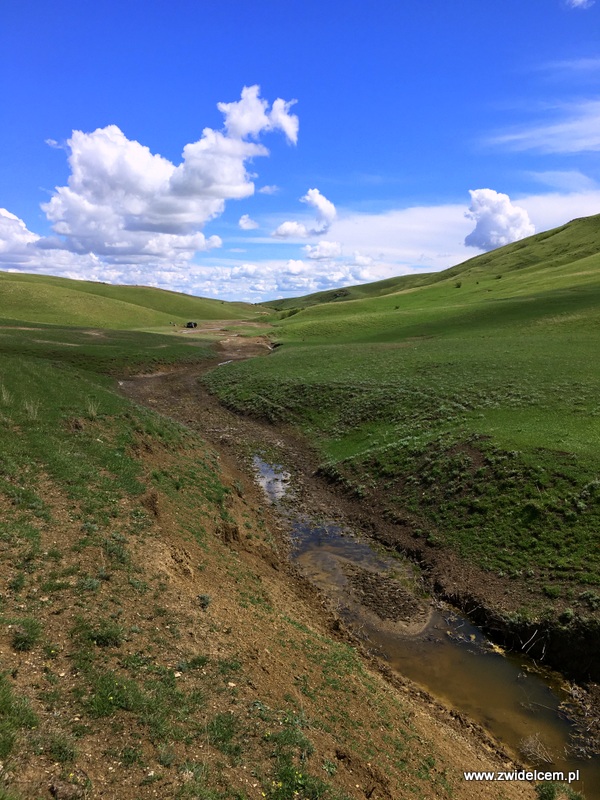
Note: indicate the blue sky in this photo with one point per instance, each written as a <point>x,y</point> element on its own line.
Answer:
<point>136,146</point>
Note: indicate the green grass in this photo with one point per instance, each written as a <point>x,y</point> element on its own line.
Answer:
<point>104,352</point>
<point>15,715</point>
<point>61,301</point>
<point>474,412</point>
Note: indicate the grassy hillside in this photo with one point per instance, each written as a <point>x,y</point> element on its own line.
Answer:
<point>101,351</point>
<point>152,645</point>
<point>60,301</point>
<point>564,245</point>
<point>468,407</point>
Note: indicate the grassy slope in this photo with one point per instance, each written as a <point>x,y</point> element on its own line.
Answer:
<point>108,351</point>
<point>60,301</point>
<point>143,656</point>
<point>563,245</point>
<point>468,404</point>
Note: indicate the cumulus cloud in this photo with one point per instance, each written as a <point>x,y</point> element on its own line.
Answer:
<point>288,230</point>
<point>325,209</point>
<point>323,250</point>
<point>269,189</point>
<point>15,239</point>
<point>20,250</point>
<point>325,216</point>
<point>497,220</point>
<point>124,204</point>
<point>250,116</point>
<point>247,224</point>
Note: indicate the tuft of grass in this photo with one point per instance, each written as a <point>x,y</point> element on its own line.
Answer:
<point>15,715</point>
<point>25,634</point>
<point>60,748</point>
<point>92,408</point>
<point>32,408</point>
<point>104,633</point>
<point>557,791</point>
<point>221,732</point>
<point>5,396</point>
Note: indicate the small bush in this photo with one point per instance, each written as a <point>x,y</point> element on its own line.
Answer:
<point>534,749</point>
<point>18,582</point>
<point>204,601</point>
<point>111,693</point>
<point>92,407</point>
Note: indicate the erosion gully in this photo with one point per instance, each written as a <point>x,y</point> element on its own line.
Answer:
<point>380,597</point>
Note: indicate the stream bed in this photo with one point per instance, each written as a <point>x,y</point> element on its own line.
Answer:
<point>381,598</point>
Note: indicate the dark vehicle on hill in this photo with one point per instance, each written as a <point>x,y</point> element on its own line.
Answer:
<point>191,325</point>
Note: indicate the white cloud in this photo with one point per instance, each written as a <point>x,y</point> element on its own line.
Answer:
<point>125,204</point>
<point>269,189</point>
<point>577,130</point>
<point>20,250</point>
<point>395,242</point>
<point>497,220</point>
<point>400,240</point>
<point>247,224</point>
<point>15,239</point>
<point>580,3</point>
<point>245,271</point>
<point>361,261</point>
<point>568,180</point>
<point>326,214</point>
<point>323,250</point>
<point>288,230</point>
<point>250,116</point>
<point>325,209</point>
<point>573,65</point>
<point>550,210</point>
<point>282,119</point>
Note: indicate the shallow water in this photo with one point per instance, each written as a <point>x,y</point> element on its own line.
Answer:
<point>447,655</point>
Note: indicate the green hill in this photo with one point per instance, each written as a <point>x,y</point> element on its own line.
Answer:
<point>465,404</point>
<point>61,301</point>
<point>556,248</point>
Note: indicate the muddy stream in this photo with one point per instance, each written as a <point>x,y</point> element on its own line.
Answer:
<point>381,598</point>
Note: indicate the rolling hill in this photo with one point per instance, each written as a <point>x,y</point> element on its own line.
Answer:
<point>62,301</point>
